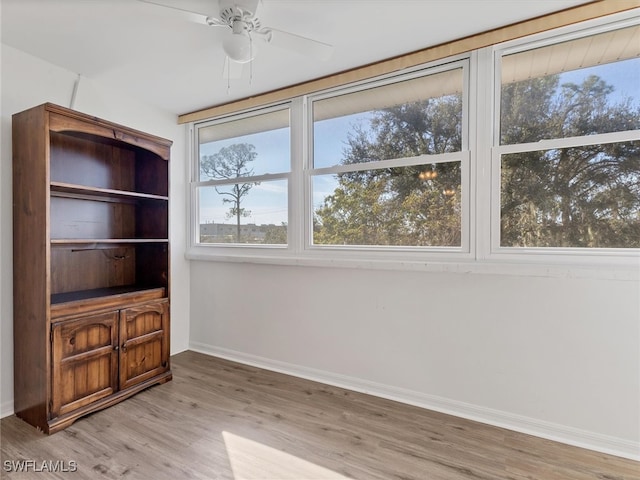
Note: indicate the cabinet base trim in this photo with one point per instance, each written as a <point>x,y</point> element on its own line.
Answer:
<point>63,421</point>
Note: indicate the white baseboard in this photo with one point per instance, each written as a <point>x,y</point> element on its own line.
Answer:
<point>6,409</point>
<point>531,426</point>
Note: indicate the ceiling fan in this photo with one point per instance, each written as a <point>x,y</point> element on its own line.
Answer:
<point>239,16</point>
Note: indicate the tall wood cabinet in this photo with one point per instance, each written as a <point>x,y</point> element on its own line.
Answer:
<point>91,264</point>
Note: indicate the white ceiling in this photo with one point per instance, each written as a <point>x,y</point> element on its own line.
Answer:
<point>155,55</point>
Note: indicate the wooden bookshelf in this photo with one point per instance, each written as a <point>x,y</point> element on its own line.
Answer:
<point>91,264</point>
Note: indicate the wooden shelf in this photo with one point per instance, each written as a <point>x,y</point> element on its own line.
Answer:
<point>79,302</point>
<point>123,291</point>
<point>71,190</point>
<point>105,241</point>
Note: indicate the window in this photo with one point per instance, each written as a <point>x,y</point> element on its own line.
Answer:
<point>388,161</point>
<point>525,152</point>
<point>242,179</point>
<point>569,143</point>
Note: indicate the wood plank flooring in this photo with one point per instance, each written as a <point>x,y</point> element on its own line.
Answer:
<point>222,420</point>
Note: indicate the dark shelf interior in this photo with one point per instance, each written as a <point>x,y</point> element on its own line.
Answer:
<point>66,297</point>
<point>74,218</point>
<point>114,168</point>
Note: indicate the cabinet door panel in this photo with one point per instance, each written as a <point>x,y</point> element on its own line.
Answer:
<point>85,361</point>
<point>144,350</point>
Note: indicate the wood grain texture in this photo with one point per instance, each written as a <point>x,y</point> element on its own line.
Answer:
<point>103,299</point>
<point>144,342</point>
<point>78,252</point>
<point>66,120</point>
<point>31,272</point>
<point>84,364</point>
<point>223,420</point>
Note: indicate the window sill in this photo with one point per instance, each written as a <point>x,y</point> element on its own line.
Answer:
<point>576,268</point>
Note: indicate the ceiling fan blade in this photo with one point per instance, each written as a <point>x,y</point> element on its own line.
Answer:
<point>188,15</point>
<point>247,5</point>
<point>296,43</point>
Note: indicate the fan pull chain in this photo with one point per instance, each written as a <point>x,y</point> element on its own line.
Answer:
<point>250,61</point>
<point>228,68</point>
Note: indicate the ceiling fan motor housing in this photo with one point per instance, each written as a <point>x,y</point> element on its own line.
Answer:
<point>240,27</point>
<point>240,20</point>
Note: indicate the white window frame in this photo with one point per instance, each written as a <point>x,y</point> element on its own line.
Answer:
<point>549,255</point>
<point>204,250</point>
<point>480,156</point>
<point>384,252</point>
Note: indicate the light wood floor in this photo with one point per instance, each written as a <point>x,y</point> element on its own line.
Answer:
<point>222,420</point>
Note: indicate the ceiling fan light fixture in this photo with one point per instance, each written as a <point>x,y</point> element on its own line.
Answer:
<point>239,46</point>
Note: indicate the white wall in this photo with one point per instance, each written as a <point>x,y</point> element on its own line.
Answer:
<point>28,81</point>
<point>557,357</point>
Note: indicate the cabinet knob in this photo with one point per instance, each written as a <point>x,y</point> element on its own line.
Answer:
<point>116,348</point>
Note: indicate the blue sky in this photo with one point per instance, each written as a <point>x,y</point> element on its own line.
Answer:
<point>624,76</point>
<point>267,201</point>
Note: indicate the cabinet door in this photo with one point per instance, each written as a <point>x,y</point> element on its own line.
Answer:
<point>144,342</point>
<point>85,361</point>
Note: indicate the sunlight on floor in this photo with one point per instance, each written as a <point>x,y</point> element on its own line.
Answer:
<point>252,461</point>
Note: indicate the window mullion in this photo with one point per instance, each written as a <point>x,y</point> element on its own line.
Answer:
<point>296,191</point>
<point>482,130</point>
